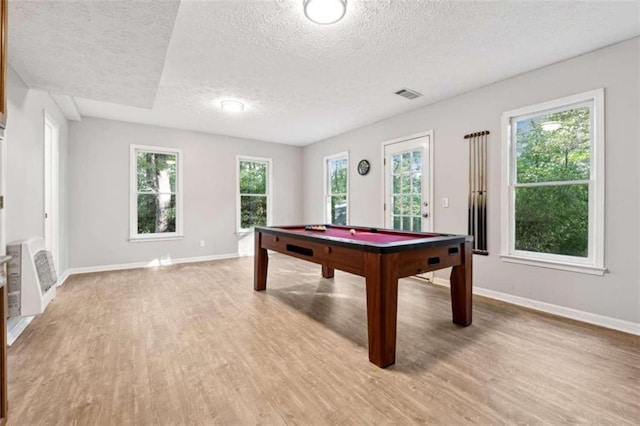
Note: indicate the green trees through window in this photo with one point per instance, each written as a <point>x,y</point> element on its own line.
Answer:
<point>406,190</point>
<point>337,188</point>
<point>156,192</point>
<point>253,193</point>
<point>552,159</point>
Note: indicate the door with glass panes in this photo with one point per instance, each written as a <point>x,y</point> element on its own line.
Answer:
<point>407,184</point>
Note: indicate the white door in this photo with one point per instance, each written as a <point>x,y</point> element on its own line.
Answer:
<point>51,187</point>
<point>408,183</point>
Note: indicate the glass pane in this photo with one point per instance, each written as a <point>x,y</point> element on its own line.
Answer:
<point>416,205</point>
<point>397,222</point>
<point>156,213</point>
<point>405,202</point>
<point>406,184</point>
<point>339,210</point>
<point>338,176</point>
<point>406,223</point>
<point>417,183</point>
<point>406,162</point>
<point>253,211</point>
<point>396,160</point>
<point>553,219</point>
<point>253,177</point>
<point>554,147</point>
<point>156,172</point>
<point>416,165</point>
<point>417,224</point>
<point>396,184</point>
<point>397,205</point>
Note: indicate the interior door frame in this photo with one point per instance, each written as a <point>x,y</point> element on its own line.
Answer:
<point>3,189</point>
<point>51,214</point>
<point>429,150</point>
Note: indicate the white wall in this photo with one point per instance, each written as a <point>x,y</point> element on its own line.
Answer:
<point>617,294</point>
<point>99,191</point>
<point>25,164</point>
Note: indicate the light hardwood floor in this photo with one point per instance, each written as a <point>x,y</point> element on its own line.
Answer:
<point>194,344</point>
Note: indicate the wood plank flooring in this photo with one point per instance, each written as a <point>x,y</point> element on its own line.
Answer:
<point>194,344</point>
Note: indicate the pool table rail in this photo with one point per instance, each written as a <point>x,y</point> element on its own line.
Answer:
<point>422,239</point>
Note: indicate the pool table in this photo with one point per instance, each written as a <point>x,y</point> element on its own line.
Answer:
<point>382,256</point>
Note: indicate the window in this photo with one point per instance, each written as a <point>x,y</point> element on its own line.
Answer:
<point>336,172</point>
<point>406,189</point>
<point>553,183</point>
<point>254,193</point>
<point>156,196</point>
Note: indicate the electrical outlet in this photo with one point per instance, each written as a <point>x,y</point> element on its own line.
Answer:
<point>445,202</point>
<point>201,243</point>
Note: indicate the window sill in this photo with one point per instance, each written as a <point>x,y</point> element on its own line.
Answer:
<point>571,267</point>
<point>245,232</point>
<point>147,239</point>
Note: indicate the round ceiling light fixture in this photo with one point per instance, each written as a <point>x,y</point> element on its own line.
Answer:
<point>232,106</point>
<point>325,11</point>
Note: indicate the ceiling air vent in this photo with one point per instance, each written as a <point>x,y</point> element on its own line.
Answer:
<point>408,93</point>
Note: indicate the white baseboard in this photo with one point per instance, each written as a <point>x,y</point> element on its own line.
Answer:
<point>15,327</point>
<point>152,264</point>
<point>63,278</point>
<point>601,320</point>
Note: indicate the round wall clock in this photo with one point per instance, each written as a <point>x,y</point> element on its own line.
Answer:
<point>363,167</point>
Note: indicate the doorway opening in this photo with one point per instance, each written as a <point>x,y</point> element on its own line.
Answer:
<point>51,184</point>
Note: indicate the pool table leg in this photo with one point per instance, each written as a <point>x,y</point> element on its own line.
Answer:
<point>462,288</point>
<point>327,272</point>
<point>261,263</point>
<point>381,274</point>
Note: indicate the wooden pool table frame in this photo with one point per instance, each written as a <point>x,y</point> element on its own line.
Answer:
<point>381,265</point>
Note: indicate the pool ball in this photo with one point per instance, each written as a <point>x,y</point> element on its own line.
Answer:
<point>352,232</point>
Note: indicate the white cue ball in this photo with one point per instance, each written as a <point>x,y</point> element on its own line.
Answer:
<point>352,232</point>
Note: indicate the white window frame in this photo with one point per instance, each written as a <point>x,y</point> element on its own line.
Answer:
<point>134,236</point>
<point>594,263</point>
<point>269,163</point>
<point>327,186</point>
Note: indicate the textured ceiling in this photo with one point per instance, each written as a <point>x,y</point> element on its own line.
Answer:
<point>303,82</point>
<point>110,51</point>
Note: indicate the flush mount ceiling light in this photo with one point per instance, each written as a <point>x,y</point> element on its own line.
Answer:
<point>232,106</point>
<point>325,11</point>
<point>550,126</point>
